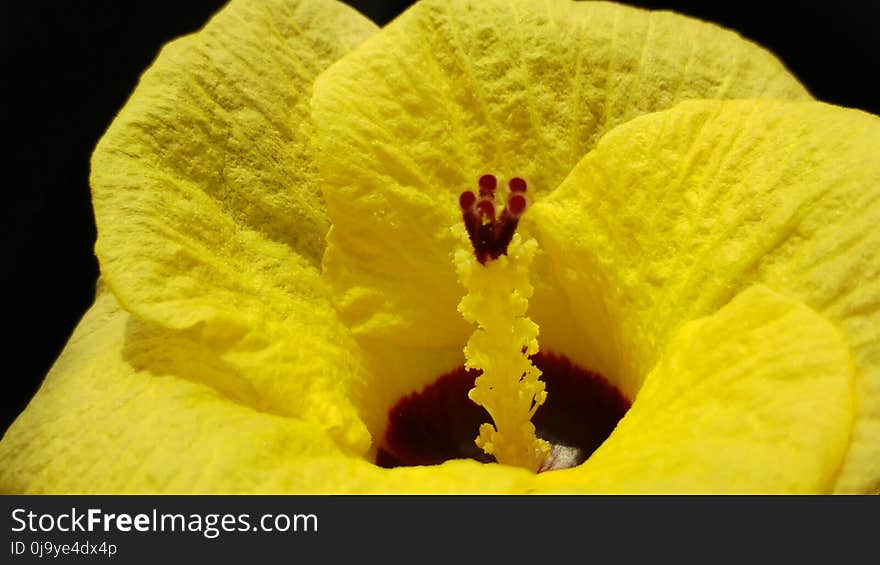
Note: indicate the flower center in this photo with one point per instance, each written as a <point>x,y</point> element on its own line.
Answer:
<point>499,391</point>
<point>438,423</point>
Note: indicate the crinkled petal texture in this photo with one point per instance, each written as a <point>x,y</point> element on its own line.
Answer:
<point>455,89</point>
<point>674,213</point>
<point>110,419</point>
<point>757,398</point>
<point>209,216</point>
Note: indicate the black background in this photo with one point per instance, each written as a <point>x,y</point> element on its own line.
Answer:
<point>67,66</point>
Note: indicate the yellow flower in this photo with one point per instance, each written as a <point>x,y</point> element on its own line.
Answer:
<point>274,205</point>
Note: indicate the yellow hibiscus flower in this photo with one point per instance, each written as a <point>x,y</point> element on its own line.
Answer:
<point>274,207</point>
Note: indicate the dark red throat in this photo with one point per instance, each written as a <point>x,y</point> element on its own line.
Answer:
<point>441,422</point>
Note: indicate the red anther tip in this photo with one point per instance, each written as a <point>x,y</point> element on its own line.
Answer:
<point>517,184</point>
<point>487,184</point>
<point>486,208</point>
<point>516,205</point>
<point>466,200</point>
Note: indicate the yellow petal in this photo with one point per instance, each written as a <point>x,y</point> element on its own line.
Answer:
<point>122,411</point>
<point>452,90</point>
<point>207,203</point>
<point>100,424</point>
<point>676,212</point>
<point>757,398</point>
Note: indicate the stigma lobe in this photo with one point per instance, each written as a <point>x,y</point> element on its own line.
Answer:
<point>490,233</point>
<point>487,184</point>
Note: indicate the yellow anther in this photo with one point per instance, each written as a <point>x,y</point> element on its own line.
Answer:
<point>509,388</point>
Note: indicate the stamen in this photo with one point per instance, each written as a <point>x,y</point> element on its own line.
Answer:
<point>509,387</point>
